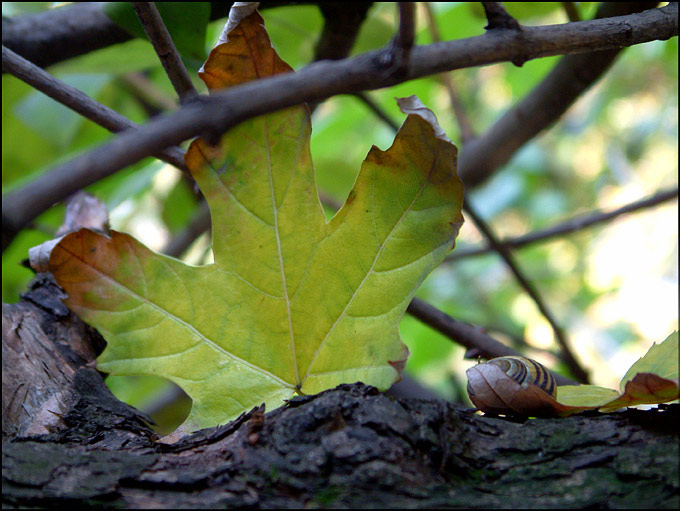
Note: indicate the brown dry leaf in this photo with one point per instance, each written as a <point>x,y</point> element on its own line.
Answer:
<point>247,56</point>
<point>645,388</point>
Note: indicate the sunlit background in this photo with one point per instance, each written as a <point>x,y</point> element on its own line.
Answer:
<point>613,287</point>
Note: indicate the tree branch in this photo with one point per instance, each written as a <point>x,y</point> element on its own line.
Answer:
<point>504,252</point>
<point>60,34</point>
<point>147,93</point>
<point>324,79</point>
<point>473,338</point>
<point>375,108</point>
<point>571,10</point>
<point>79,102</point>
<point>498,17</point>
<point>572,76</point>
<point>342,21</point>
<point>464,124</point>
<point>572,225</point>
<point>199,224</point>
<point>401,45</point>
<point>160,38</point>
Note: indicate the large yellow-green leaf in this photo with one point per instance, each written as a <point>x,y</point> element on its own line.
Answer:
<point>292,304</point>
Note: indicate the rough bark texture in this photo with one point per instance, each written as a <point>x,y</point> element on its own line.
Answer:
<point>348,447</point>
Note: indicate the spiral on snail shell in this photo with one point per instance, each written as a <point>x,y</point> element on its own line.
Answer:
<point>512,385</point>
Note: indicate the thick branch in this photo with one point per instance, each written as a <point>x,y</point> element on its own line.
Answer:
<point>321,80</point>
<point>572,225</point>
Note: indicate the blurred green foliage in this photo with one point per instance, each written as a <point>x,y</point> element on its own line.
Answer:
<point>613,287</point>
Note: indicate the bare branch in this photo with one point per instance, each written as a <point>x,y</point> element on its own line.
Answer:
<point>402,43</point>
<point>78,101</point>
<point>464,124</point>
<point>498,17</point>
<point>560,336</point>
<point>197,226</point>
<point>324,79</point>
<point>466,335</point>
<point>567,227</point>
<point>160,38</point>
<point>379,112</point>
<point>487,232</point>
<point>572,76</point>
<point>60,34</point>
<point>572,11</point>
<point>342,21</point>
<point>148,92</point>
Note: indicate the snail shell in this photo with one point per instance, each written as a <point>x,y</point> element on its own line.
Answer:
<point>512,385</point>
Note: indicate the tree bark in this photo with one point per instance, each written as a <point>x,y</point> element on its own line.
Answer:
<point>351,446</point>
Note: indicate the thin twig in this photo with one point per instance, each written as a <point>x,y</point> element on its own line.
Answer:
<point>403,42</point>
<point>199,224</point>
<point>521,279</point>
<point>321,80</point>
<point>79,101</point>
<point>379,112</point>
<point>569,226</point>
<point>464,125</point>
<point>148,91</point>
<point>342,22</point>
<point>466,335</point>
<point>546,103</point>
<point>571,10</point>
<point>160,38</point>
<point>498,17</point>
<point>576,369</point>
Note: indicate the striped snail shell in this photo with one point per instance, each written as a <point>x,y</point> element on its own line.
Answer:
<point>514,386</point>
